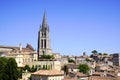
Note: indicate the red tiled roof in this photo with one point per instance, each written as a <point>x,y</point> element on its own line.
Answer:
<point>70,78</point>
<point>48,72</point>
<point>80,74</point>
<point>28,49</point>
<point>100,78</point>
<point>73,66</point>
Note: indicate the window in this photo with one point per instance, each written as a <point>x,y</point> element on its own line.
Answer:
<point>41,43</point>
<point>44,43</point>
<point>44,34</point>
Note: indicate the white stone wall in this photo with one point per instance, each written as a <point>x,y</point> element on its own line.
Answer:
<point>19,60</point>
<point>5,49</point>
<point>57,65</point>
<point>23,58</point>
<point>37,77</point>
<point>55,77</point>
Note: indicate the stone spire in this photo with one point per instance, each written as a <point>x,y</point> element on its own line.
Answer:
<point>44,22</point>
<point>44,39</point>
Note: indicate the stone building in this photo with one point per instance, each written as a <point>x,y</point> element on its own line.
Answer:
<point>48,75</point>
<point>49,65</point>
<point>20,54</point>
<point>116,59</point>
<point>44,39</point>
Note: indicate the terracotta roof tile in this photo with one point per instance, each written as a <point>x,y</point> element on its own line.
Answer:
<point>17,48</point>
<point>80,74</point>
<point>70,78</point>
<point>100,78</point>
<point>48,72</point>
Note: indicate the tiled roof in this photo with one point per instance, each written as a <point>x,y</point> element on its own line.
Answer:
<point>28,49</point>
<point>100,78</point>
<point>73,66</point>
<point>70,78</point>
<point>48,72</point>
<point>80,74</point>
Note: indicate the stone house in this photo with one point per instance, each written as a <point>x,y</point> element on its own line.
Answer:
<point>48,75</point>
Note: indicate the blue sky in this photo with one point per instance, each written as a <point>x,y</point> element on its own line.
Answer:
<point>76,26</point>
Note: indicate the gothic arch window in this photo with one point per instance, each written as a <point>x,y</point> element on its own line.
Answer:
<point>42,34</point>
<point>44,43</point>
<point>41,43</point>
<point>45,34</point>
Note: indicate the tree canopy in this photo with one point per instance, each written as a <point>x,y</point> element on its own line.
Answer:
<point>8,69</point>
<point>71,60</point>
<point>94,52</point>
<point>47,56</point>
<point>105,54</point>
<point>11,69</point>
<point>3,62</point>
<point>84,68</point>
<point>26,68</point>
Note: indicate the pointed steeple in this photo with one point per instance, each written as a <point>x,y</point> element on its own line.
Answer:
<point>44,22</point>
<point>44,47</point>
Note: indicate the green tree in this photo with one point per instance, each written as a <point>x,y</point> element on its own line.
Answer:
<point>105,54</point>
<point>33,69</point>
<point>84,68</point>
<point>11,72</point>
<point>20,72</point>
<point>71,60</point>
<point>94,52</point>
<point>52,57</point>
<point>47,56</point>
<point>26,68</point>
<point>100,53</point>
<point>3,62</point>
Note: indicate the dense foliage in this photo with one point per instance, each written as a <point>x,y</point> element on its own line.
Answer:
<point>47,56</point>
<point>94,52</point>
<point>8,69</point>
<point>71,60</point>
<point>34,68</point>
<point>3,62</point>
<point>84,68</point>
<point>26,68</point>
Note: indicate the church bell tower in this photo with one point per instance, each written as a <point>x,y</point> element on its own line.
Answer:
<point>44,39</point>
